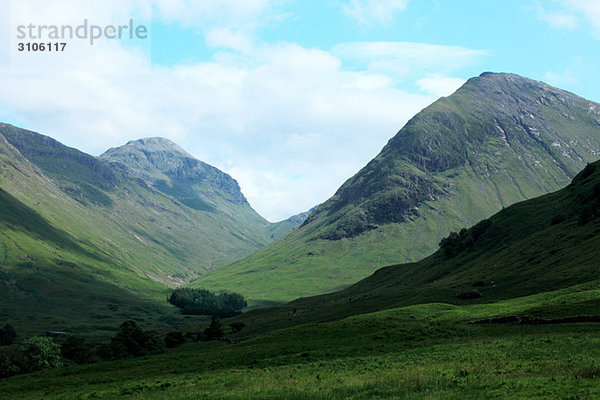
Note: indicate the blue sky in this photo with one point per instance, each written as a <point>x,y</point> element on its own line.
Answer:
<point>289,97</point>
<point>544,40</point>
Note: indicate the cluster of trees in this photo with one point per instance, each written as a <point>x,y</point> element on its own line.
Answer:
<point>456,243</point>
<point>131,341</point>
<point>204,302</point>
<point>33,354</point>
<point>38,352</point>
<point>7,335</point>
<point>590,206</point>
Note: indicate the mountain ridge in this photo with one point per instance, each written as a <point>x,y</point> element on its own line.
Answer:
<point>542,245</point>
<point>497,140</point>
<point>96,230</point>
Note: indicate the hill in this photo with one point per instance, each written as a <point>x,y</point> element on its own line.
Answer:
<point>83,236</point>
<point>540,245</point>
<point>499,139</point>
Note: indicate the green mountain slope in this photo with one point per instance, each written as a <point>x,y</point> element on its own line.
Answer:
<point>538,258</point>
<point>81,236</point>
<point>545,244</point>
<point>50,276</point>
<point>499,139</point>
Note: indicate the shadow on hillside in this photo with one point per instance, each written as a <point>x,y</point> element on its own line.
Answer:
<point>17,216</point>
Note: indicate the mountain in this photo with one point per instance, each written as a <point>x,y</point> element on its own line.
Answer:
<point>541,345</point>
<point>82,235</point>
<point>546,244</point>
<point>279,229</point>
<point>499,139</point>
<point>169,169</point>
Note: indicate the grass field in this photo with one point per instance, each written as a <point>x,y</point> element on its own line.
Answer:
<point>428,351</point>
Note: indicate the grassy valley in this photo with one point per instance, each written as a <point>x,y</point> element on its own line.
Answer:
<point>424,351</point>
<point>406,331</point>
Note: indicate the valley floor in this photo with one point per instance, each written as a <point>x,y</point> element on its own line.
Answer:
<point>429,351</point>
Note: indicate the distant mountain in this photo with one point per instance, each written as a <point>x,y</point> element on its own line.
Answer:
<point>540,245</point>
<point>499,139</point>
<point>84,232</point>
<point>169,169</point>
<point>278,229</point>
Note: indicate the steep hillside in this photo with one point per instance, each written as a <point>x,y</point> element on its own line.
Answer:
<point>499,139</point>
<point>545,244</point>
<point>79,233</point>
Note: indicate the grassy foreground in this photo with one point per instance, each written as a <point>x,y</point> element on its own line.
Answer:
<point>428,351</point>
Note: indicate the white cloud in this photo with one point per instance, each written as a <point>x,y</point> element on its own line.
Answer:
<point>403,59</point>
<point>589,10</point>
<point>439,85</point>
<point>561,21</point>
<point>288,122</point>
<point>228,38</point>
<point>367,12</point>
<point>571,13</point>
<point>200,12</point>
<point>558,20</point>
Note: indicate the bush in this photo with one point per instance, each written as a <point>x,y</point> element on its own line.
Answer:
<point>174,339</point>
<point>10,362</point>
<point>214,330</point>
<point>204,302</point>
<point>7,335</point>
<point>76,350</point>
<point>131,341</point>
<point>236,327</point>
<point>475,294</point>
<point>40,353</point>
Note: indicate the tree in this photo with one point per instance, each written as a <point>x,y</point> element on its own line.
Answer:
<point>214,330</point>
<point>133,341</point>
<point>236,327</point>
<point>40,353</point>
<point>7,335</point>
<point>174,339</point>
<point>76,350</point>
<point>10,362</point>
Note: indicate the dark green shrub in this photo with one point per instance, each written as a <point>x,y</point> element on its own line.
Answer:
<point>77,350</point>
<point>214,330</point>
<point>131,341</point>
<point>174,339</point>
<point>40,353</point>
<point>236,327</point>
<point>7,335</point>
<point>10,362</point>
<point>475,294</point>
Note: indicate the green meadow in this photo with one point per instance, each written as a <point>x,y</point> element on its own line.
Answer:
<point>428,351</point>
